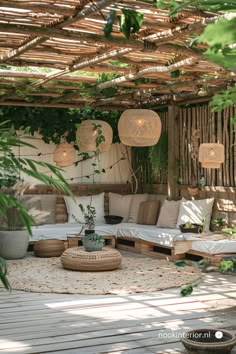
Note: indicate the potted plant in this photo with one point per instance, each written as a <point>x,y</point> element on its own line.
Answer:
<point>12,210</point>
<point>218,223</point>
<point>14,237</point>
<point>91,240</point>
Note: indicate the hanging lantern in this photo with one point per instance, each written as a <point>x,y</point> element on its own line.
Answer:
<point>211,155</point>
<point>64,155</point>
<point>88,134</point>
<point>139,127</point>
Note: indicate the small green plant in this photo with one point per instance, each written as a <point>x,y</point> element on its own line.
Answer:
<point>89,216</point>
<point>231,231</point>
<point>219,222</point>
<point>227,266</point>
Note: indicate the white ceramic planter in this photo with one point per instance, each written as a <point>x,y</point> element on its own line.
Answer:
<point>13,244</point>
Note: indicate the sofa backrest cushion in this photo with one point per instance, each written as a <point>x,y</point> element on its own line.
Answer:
<point>169,214</point>
<point>148,212</point>
<point>120,205</point>
<point>196,211</point>
<point>137,199</point>
<point>48,203</point>
<point>74,212</point>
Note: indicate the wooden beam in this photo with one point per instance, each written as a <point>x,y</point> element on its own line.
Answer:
<point>173,152</point>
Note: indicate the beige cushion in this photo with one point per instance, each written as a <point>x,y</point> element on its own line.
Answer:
<point>48,203</point>
<point>72,205</point>
<point>169,214</point>
<point>135,204</point>
<point>120,205</point>
<point>148,212</point>
<point>160,197</point>
<point>196,211</point>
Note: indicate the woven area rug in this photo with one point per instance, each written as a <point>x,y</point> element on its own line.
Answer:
<point>135,275</point>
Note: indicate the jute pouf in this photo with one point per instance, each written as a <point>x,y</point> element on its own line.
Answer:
<point>49,248</point>
<point>77,258</point>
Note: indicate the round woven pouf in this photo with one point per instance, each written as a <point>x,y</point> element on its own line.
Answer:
<point>77,258</point>
<point>49,248</point>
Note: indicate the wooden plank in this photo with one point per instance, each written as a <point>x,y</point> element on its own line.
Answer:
<point>172,146</point>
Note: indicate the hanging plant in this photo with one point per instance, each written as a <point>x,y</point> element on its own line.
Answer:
<point>158,155</point>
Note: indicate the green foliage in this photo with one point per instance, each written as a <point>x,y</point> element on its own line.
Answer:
<point>3,274</point>
<point>89,215</point>
<point>219,222</point>
<point>227,266</point>
<point>174,74</point>
<point>209,5</point>
<point>231,231</point>
<point>141,80</point>
<point>186,290</point>
<point>109,24</point>
<point>62,121</point>
<point>8,140</point>
<point>158,155</point>
<point>223,99</point>
<point>181,263</point>
<point>130,22</point>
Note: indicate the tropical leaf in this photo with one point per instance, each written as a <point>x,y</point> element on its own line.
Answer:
<point>3,274</point>
<point>130,22</point>
<point>109,24</point>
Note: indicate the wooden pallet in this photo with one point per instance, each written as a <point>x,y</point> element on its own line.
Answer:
<point>215,259</point>
<point>129,244</point>
<point>160,251</point>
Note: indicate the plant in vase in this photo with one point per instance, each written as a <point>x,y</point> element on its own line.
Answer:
<point>10,167</point>
<point>91,240</point>
<point>14,236</point>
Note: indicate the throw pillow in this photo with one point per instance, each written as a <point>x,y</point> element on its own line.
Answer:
<point>135,204</point>
<point>196,211</point>
<point>120,205</point>
<point>48,203</point>
<point>169,214</point>
<point>148,212</point>
<point>72,205</point>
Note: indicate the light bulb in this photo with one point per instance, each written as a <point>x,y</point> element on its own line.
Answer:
<point>139,122</point>
<point>212,153</point>
<point>95,133</point>
<point>64,153</point>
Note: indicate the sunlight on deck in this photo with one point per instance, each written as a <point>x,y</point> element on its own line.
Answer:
<point>10,345</point>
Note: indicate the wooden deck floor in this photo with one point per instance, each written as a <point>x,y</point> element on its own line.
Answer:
<point>133,324</point>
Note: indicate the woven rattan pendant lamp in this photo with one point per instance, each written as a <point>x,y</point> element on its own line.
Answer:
<point>139,127</point>
<point>64,155</point>
<point>211,155</point>
<point>88,132</point>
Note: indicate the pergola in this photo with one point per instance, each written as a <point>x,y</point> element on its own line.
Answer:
<point>52,53</point>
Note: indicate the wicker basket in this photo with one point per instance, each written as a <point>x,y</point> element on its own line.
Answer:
<point>49,248</point>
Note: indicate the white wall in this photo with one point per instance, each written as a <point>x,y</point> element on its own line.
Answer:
<point>119,173</point>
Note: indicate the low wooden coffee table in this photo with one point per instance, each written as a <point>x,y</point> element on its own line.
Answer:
<point>77,258</point>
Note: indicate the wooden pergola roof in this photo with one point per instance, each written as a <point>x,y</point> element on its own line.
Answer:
<point>64,45</point>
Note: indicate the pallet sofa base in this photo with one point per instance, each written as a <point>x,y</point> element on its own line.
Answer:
<point>147,248</point>
<point>214,259</point>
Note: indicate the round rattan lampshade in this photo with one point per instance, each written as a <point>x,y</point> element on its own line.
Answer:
<point>139,127</point>
<point>211,155</point>
<point>64,155</point>
<point>87,134</point>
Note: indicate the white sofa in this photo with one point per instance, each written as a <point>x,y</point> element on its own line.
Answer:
<point>147,239</point>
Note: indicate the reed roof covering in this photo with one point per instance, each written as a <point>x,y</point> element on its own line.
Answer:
<point>52,54</point>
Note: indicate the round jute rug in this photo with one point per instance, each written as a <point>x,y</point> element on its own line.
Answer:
<point>46,275</point>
